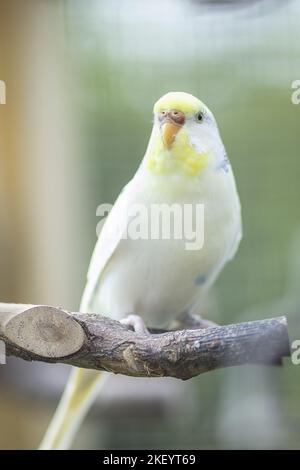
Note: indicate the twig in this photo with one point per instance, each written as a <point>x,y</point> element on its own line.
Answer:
<point>49,334</point>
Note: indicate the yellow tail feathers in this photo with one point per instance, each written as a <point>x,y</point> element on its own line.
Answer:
<point>81,390</point>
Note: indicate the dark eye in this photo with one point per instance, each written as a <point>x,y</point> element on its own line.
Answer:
<point>200,116</point>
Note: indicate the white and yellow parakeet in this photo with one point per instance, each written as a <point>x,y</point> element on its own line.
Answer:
<point>185,163</point>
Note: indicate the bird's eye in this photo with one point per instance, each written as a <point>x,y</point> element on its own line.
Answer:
<point>200,116</point>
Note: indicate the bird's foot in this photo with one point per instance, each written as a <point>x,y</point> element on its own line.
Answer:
<point>137,324</point>
<point>192,322</point>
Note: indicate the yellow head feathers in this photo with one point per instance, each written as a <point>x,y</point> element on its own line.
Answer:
<point>173,147</point>
<point>180,100</point>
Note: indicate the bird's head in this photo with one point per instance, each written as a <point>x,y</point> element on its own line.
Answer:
<point>185,136</point>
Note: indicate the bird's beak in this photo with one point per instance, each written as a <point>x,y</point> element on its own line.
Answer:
<point>171,121</point>
<point>169,131</point>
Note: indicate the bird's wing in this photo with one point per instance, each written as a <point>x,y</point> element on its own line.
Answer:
<point>235,243</point>
<point>196,305</point>
<point>113,230</point>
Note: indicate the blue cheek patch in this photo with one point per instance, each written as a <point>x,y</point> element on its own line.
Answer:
<point>200,280</point>
<point>224,164</point>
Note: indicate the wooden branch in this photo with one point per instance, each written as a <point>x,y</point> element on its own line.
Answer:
<point>49,334</point>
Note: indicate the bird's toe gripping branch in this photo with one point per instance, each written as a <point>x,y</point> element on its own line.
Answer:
<point>137,323</point>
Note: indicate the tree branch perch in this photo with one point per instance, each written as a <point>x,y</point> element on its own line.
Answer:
<point>49,334</point>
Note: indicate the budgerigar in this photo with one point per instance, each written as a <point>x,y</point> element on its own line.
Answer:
<point>154,279</point>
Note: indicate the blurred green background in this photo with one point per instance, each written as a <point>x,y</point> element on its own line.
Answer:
<point>81,78</point>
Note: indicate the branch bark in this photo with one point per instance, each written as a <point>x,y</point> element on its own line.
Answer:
<point>49,334</point>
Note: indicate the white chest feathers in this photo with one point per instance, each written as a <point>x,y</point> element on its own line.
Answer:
<point>160,278</point>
